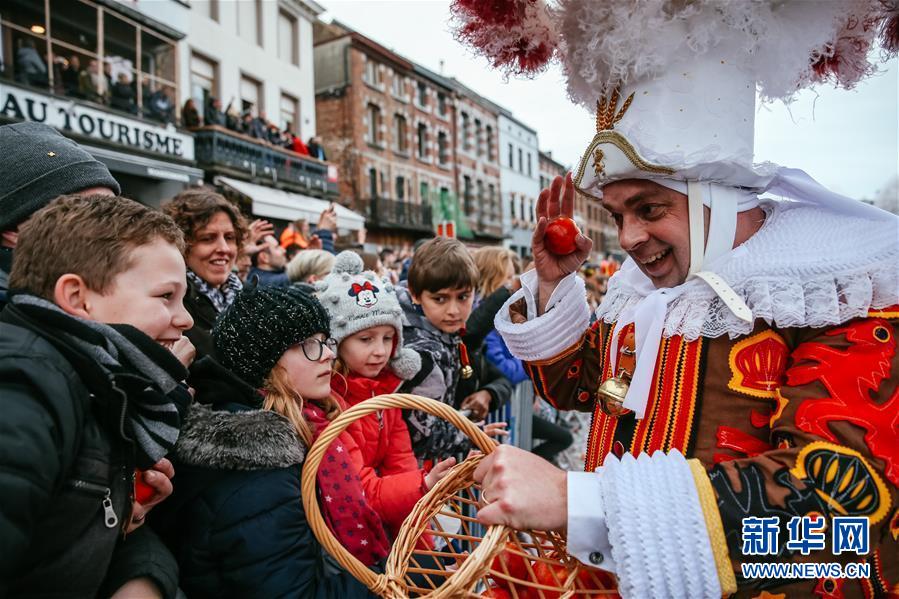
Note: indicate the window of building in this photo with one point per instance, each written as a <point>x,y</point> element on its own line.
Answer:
<point>397,85</point>
<point>531,213</point>
<point>374,124</point>
<point>105,71</point>
<point>480,195</point>
<point>373,182</point>
<point>423,192</point>
<point>250,95</point>
<point>207,8</point>
<point>400,188</point>
<point>466,194</point>
<point>384,189</point>
<point>203,80</point>
<point>512,205</point>
<point>479,148</point>
<point>530,172</point>
<point>289,114</point>
<point>491,196</point>
<point>524,213</point>
<point>442,149</point>
<point>422,94</point>
<point>422,141</point>
<point>288,42</point>
<point>511,157</point>
<point>466,133</point>
<point>520,161</point>
<point>490,155</point>
<point>441,104</point>
<point>372,72</point>
<point>249,21</point>
<point>399,130</point>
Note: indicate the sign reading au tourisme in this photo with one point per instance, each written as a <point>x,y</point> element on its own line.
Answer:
<point>67,115</point>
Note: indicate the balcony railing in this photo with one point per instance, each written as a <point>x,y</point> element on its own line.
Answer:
<point>391,213</point>
<point>222,151</point>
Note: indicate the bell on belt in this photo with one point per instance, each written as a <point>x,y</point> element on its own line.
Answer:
<point>611,394</point>
<point>467,371</point>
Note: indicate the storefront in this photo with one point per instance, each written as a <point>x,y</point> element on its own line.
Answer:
<point>104,75</point>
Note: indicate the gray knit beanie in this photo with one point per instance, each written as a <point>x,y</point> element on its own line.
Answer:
<point>39,165</point>
<point>357,300</point>
<point>261,324</point>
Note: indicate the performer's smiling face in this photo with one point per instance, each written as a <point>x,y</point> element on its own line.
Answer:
<point>653,228</point>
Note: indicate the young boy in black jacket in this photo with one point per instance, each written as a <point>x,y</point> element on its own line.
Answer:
<point>90,388</point>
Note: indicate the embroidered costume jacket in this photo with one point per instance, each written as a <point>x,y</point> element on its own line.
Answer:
<point>776,421</point>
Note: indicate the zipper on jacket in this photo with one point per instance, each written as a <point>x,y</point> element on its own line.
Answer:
<point>109,515</point>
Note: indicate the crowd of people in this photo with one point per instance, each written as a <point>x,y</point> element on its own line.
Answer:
<point>163,360</point>
<point>244,122</point>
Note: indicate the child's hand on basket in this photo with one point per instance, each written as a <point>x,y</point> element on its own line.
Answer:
<point>437,473</point>
<point>496,429</point>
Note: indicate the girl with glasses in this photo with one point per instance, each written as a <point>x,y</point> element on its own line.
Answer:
<point>238,527</point>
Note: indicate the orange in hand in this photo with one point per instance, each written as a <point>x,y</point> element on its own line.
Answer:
<point>561,233</point>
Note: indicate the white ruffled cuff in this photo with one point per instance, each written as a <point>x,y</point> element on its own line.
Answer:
<point>566,318</point>
<point>657,528</point>
<point>588,534</point>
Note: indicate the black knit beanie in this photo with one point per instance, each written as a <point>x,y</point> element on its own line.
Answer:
<point>39,165</point>
<point>261,324</point>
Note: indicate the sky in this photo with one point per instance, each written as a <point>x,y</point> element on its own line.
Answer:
<point>847,140</point>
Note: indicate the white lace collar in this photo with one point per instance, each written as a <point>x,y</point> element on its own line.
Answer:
<point>806,267</point>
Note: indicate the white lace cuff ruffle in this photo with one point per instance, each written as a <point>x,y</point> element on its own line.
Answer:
<point>566,318</point>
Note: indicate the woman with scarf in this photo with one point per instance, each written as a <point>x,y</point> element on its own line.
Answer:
<point>214,230</point>
<point>236,522</point>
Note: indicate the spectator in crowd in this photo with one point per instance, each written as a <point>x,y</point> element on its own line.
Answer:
<point>246,123</point>
<point>92,355</point>
<point>243,265</point>
<point>367,324</point>
<point>28,150</point>
<point>107,75</point>
<point>212,112</point>
<point>258,127</point>
<point>437,303</point>
<point>122,96</point>
<point>92,83</point>
<point>292,250</point>
<point>232,119</point>
<point>30,66</point>
<point>190,116</point>
<point>297,232</point>
<point>298,146</point>
<point>269,263</point>
<point>407,260</point>
<point>157,104</point>
<point>214,230</point>
<point>315,148</point>
<point>497,281</point>
<point>70,75</point>
<point>309,266</point>
<point>236,520</point>
<point>274,136</point>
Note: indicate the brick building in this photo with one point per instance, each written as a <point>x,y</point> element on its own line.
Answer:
<point>477,167</point>
<point>388,126</point>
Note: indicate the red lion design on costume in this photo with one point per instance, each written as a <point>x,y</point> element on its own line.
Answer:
<point>850,375</point>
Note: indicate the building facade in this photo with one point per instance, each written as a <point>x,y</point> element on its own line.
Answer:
<point>477,172</point>
<point>388,126</point>
<point>519,181</point>
<point>107,75</point>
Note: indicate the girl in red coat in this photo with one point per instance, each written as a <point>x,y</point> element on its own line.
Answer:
<point>367,322</point>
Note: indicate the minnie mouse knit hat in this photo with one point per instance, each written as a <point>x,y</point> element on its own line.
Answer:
<point>357,300</point>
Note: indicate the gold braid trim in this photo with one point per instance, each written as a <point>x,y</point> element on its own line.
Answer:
<point>714,527</point>
<point>621,142</point>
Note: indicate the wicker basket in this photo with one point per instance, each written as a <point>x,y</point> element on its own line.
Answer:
<point>439,552</point>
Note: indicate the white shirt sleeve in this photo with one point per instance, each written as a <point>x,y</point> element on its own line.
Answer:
<point>588,533</point>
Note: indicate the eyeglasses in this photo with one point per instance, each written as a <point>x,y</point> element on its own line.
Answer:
<point>313,347</point>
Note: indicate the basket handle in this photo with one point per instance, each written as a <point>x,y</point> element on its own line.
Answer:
<point>316,454</point>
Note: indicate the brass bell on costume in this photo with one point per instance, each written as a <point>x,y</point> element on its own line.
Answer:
<point>611,393</point>
<point>467,372</point>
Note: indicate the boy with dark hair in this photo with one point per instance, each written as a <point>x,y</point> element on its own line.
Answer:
<point>86,402</point>
<point>437,302</point>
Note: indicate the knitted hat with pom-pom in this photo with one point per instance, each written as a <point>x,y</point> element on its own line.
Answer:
<point>358,300</point>
<point>261,324</point>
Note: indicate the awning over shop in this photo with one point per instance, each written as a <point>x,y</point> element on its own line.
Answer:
<point>142,166</point>
<point>285,205</point>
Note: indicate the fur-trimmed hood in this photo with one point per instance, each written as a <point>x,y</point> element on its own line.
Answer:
<point>243,440</point>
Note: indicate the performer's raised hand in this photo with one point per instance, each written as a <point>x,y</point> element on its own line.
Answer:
<point>557,200</point>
